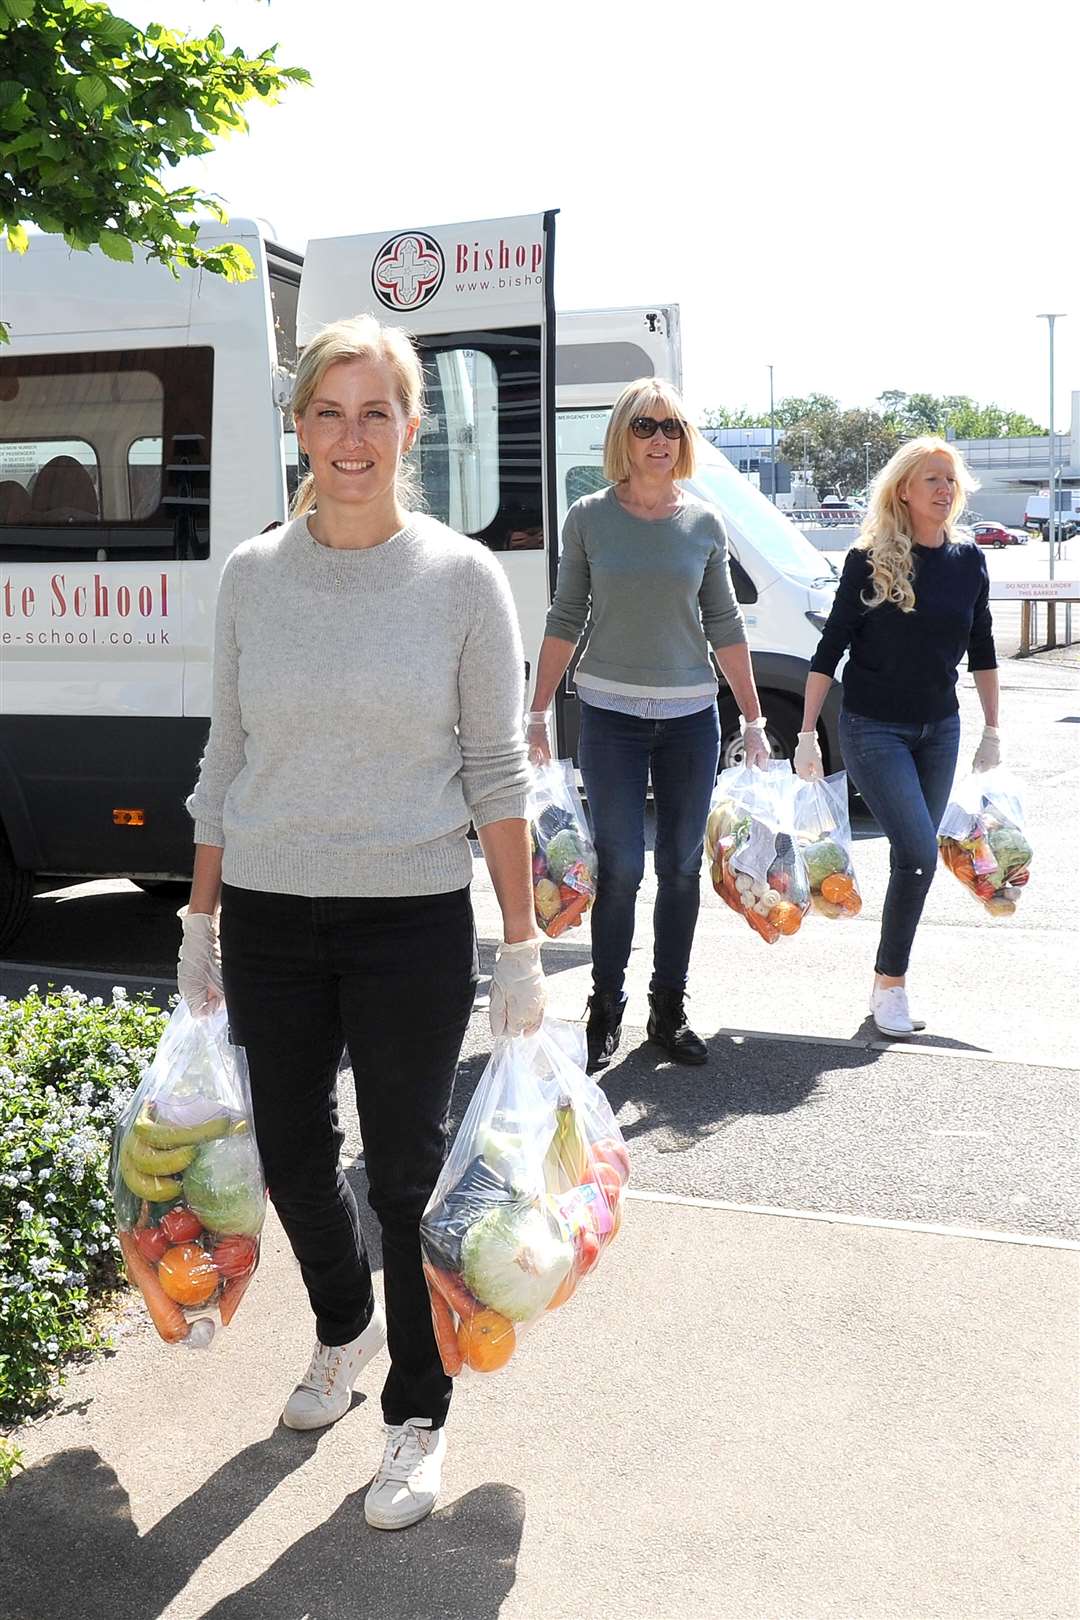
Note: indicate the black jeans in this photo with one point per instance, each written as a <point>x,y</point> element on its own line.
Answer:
<point>394,980</point>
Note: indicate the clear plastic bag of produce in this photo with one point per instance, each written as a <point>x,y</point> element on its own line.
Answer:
<point>188,1187</point>
<point>823,825</point>
<point>528,1199</point>
<point>982,839</point>
<point>563,856</point>
<point>755,861</point>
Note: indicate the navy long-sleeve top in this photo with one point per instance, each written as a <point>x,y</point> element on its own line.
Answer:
<point>902,666</point>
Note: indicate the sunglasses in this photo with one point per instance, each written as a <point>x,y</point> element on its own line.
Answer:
<point>643,427</point>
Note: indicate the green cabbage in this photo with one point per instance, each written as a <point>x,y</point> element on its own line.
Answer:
<point>224,1186</point>
<point>823,859</point>
<point>513,1259</point>
<point>1011,850</point>
<point>562,851</point>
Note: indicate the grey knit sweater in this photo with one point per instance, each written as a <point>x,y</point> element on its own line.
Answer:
<point>367,705</point>
<point>659,594</point>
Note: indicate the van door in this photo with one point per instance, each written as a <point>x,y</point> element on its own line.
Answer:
<point>478,299</point>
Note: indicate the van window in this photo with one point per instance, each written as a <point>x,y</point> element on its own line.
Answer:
<point>584,481</point>
<point>458,445</point>
<point>479,447</point>
<point>105,455</point>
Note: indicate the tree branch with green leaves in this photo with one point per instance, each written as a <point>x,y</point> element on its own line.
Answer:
<point>94,112</point>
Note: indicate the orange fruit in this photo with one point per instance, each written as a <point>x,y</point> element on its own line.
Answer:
<point>838,888</point>
<point>852,905</point>
<point>486,1341</point>
<point>187,1274</point>
<point>564,1290</point>
<point>786,917</point>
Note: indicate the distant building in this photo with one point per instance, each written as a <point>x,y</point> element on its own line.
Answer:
<point>1009,470</point>
<point>750,449</point>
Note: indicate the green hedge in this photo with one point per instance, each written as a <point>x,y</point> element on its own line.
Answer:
<point>68,1067</point>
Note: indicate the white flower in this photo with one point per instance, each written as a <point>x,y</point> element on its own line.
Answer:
<point>24,1209</point>
<point>50,1198</point>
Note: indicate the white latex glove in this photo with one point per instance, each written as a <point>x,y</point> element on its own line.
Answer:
<point>518,991</point>
<point>809,764</point>
<point>756,748</point>
<point>538,736</point>
<point>198,971</point>
<point>988,753</point>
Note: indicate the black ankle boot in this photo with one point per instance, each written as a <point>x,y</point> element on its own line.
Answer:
<point>604,1027</point>
<point>668,1028</point>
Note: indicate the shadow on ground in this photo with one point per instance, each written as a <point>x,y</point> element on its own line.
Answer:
<point>70,1547</point>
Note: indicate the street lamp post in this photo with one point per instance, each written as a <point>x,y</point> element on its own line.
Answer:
<point>772,441</point>
<point>1051,513</point>
<point>866,457</point>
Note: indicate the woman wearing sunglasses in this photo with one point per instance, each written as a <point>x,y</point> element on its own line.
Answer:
<point>647,565</point>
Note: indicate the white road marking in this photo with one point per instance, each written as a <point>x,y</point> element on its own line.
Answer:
<point>834,1218</point>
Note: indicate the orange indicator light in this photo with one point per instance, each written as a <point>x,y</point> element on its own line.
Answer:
<point>129,818</point>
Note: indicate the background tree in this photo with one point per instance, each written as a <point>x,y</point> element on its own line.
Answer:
<point>834,445</point>
<point>93,112</point>
<point>721,416</point>
<point>956,414</point>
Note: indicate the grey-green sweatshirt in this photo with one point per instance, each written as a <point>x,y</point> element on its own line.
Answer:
<point>659,592</point>
<point>366,706</point>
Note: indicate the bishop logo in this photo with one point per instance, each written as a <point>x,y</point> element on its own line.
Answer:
<point>408,271</point>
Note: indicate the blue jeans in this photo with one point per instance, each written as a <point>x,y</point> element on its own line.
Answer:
<point>904,771</point>
<point>617,753</point>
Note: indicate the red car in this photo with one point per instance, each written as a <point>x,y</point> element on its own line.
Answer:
<point>993,534</point>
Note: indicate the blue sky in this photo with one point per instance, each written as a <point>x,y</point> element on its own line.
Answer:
<point>855,193</point>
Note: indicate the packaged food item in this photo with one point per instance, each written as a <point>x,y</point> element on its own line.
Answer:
<point>530,1195</point>
<point>823,825</point>
<point>563,855</point>
<point>755,861</point>
<point>982,839</point>
<point>188,1187</point>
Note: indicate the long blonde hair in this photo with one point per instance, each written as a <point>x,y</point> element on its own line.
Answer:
<point>360,338</point>
<point>886,534</point>
<point>648,396</point>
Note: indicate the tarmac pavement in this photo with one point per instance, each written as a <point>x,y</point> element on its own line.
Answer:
<point>829,1368</point>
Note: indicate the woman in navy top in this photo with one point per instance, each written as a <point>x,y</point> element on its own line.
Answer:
<point>912,600</point>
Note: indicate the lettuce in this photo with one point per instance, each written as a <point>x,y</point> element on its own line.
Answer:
<point>514,1258</point>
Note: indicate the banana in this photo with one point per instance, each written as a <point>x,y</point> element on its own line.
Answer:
<point>158,1189</point>
<point>575,1149</point>
<point>161,1135</point>
<point>154,1161</point>
<point>566,1161</point>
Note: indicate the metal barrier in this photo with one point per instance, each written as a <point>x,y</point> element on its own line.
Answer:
<point>1033,594</point>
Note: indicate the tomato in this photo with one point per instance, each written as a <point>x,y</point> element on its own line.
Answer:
<point>151,1243</point>
<point>181,1225</point>
<point>586,1251</point>
<point>234,1256</point>
<point>610,1151</point>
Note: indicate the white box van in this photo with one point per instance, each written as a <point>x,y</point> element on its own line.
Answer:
<point>1067,504</point>
<point>144,434</point>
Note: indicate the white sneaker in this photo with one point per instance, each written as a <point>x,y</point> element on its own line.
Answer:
<point>325,1392</point>
<point>405,1488</point>
<point>889,1009</point>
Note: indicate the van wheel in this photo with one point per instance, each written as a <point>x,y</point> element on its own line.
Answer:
<point>781,728</point>
<point>16,892</point>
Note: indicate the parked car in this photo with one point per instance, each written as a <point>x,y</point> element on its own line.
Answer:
<point>994,534</point>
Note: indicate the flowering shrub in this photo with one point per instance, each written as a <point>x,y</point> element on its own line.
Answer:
<point>68,1068</point>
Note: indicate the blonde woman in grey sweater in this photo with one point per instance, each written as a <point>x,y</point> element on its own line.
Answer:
<point>646,565</point>
<point>367,706</point>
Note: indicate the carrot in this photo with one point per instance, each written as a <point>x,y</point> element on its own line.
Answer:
<point>231,1295</point>
<point>570,917</point>
<point>453,1290</point>
<point>165,1313</point>
<point>442,1320</point>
